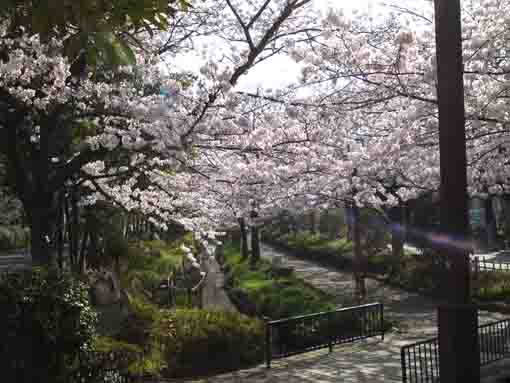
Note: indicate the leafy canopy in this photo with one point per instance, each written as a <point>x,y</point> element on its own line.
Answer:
<point>102,28</point>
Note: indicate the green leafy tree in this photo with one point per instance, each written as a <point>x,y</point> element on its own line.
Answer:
<point>92,29</point>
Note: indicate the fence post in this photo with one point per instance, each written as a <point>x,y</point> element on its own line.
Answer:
<point>330,330</point>
<point>381,308</point>
<point>268,343</point>
<point>403,364</point>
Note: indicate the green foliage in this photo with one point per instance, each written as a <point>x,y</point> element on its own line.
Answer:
<point>274,297</point>
<point>316,242</point>
<point>116,354</point>
<point>142,330</point>
<point>91,25</point>
<point>149,262</point>
<point>48,316</point>
<point>203,342</point>
<point>14,237</point>
<point>492,286</point>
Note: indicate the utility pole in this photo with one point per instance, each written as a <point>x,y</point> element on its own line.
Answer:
<point>459,354</point>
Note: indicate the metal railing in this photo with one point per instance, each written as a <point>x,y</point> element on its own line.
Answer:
<point>296,335</point>
<point>420,361</point>
<point>494,339</point>
<point>482,264</point>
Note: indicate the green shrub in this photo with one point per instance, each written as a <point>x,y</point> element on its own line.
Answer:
<point>492,286</point>
<point>116,245</point>
<point>204,342</point>
<point>6,238</point>
<point>14,237</point>
<point>47,326</point>
<point>117,354</point>
<point>271,295</point>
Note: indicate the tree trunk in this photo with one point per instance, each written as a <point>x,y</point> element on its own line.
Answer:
<point>359,280</point>
<point>312,226</point>
<point>255,245</point>
<point>506,210</point>
<point>39,243</point>
<point>60,232</point>
<point>244,238</point>
<point>349,222</point>
<point>75,229</point>
<point>397,231</point>
<point>490,222</point>
<point>82,266</point>
<point>459,356</point>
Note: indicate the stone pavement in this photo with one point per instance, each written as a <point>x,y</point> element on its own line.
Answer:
<point>367,361</point>
<point>213,294</point>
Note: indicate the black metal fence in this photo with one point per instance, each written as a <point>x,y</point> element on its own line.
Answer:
<point>296,335</point>
<point>420,361</point>
<point>482,264</point>
<point>494,341</point>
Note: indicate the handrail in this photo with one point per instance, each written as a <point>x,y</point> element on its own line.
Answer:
<point>420,360</point>
<point>303,333</point>
<point>306,316</point>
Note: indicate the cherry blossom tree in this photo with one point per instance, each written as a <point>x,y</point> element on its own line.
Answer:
<point>136,125</point>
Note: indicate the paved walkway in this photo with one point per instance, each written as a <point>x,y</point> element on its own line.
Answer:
<point>367,361</point>
<point>213,295</point>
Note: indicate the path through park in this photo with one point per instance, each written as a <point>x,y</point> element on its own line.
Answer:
<point>214,295</point>
<point>363,362</point>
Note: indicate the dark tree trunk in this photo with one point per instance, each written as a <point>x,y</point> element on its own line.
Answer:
<point>490,221</point>
<point>332,225</point>
<point>39,245</point>
<point>82,263</point>
<point>506,212</point>
<point>397,233</point>
<point>313,225</point>
<point>255,240</point>
<point>255,245</point>
<point>359,279</point>
<point>60,232</point>
<point>244,238</point>
<point>459,354</point>
<point>349,222</point>
<point>75,229</point>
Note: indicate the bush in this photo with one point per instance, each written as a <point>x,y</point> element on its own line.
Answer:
<point>492,286</point>
<point>206,342</point>
<point>117,355</point>
<point>14,237</point>
<point>47,326</point>
<point>270,294</point>
<point>6,238</point>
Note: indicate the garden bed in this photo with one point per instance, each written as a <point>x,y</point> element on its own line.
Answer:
<point>265,292</point>
<point>415,272</point>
